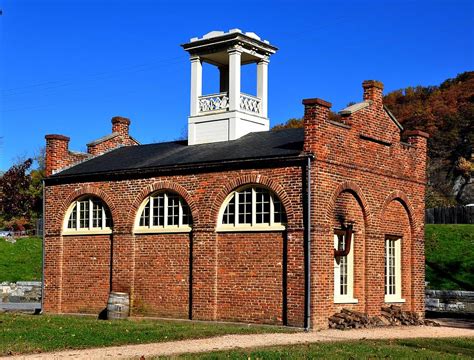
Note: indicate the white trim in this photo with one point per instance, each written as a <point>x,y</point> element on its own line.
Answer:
<point>247,227</point>
<point>95,231</point>
<point>397,297</point>
<point>164,228</point>
<point>89,230</point>
<point>254,226</point>
<point>345,300</point>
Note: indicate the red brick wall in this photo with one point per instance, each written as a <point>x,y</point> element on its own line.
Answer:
<point>250,277</point>
<point>86,273</point>
<point>376,168</point>
<point>155,268</point>
<point>161,285</point>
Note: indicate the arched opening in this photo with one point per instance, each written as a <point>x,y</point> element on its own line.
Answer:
<point>348,257</point>
<point>397,261</point>
<point>251,248</point>
<point>163,240</point>
<point>86,255</point>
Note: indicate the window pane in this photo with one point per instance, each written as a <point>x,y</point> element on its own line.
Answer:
<point>108,218</point>
<point>343,276</point>
<point>173,210</point>
<point>72,221</point>
<point>245,206</point>
<point>96,214</point>
<point>278,213</point>
<point>159,210</point>
<point>229,213</point>
<point>262,206</point>
<point>187,219</point>
<point>84,214</point>
<point>145,216</point>
<point>390,288</point>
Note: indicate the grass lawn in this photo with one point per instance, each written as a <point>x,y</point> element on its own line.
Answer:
<point>21,333</point>
<point>456,348</point>
<point>450,257</point>
<point>21,261</point>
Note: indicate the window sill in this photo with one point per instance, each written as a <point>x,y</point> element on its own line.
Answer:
<point>247,228</point>
<point>167,230</point>
<point>394,300</point>
<point>345,301</point>
<point>87,232</point>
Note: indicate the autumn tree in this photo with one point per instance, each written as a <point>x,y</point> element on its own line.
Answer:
<point>21,195</point>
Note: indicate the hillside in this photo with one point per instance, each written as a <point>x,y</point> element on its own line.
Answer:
<point>446,112</point>
<point>450,256</point>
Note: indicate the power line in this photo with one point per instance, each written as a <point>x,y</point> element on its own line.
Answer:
<point>92,77</point>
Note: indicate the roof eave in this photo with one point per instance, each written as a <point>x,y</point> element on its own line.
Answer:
<point>58,178</point>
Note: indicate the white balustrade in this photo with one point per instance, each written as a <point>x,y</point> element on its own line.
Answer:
<point>213,102</point>
<point>250,103</point>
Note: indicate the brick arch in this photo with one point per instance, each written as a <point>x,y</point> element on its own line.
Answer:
<point>356,191</point>
<point>251,179</point>
<point>401,197</point>
<point>89,190</point>
<point>157,186</point>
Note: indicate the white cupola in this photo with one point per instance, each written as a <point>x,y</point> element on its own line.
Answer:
<point>230,114</point>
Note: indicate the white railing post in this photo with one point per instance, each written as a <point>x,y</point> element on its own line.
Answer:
<point>196,84</point>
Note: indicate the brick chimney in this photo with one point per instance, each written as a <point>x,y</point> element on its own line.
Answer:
<point>57,151</point>
<point>373,90</point>
<point>316,113</point>
<point>120,125</point>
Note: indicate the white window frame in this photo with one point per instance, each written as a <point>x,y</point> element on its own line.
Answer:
<point>89,230</point>
<point>349,297</point>
<point>253,226</point>
<point>397,296</point>
<point>165,228</point>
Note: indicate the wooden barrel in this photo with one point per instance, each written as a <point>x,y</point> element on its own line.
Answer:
<point>118,306</point>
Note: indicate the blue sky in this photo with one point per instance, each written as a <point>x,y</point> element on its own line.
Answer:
<point>68,66</point>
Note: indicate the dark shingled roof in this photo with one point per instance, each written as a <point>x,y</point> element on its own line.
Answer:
<point>269,144</point>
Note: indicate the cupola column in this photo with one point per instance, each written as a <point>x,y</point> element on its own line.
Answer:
<point>196,84</point>
<point>234,77</point>
<point>262,86</point>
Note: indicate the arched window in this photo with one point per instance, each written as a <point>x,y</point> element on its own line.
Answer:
<point>252,208</point>
<point>88,215</point>
<point>163,212</point>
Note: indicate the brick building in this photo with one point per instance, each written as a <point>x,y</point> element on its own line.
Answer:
<point>240,223</point>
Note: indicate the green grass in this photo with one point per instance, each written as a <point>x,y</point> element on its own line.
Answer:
<point>21,261</point>
<point>450,257</point>
<point>457,348</point>
<point>21,333</point>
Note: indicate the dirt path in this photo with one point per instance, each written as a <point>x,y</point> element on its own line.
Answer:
<point>249,341</point>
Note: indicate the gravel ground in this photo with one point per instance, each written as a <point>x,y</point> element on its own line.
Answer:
<point>229,342</point>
